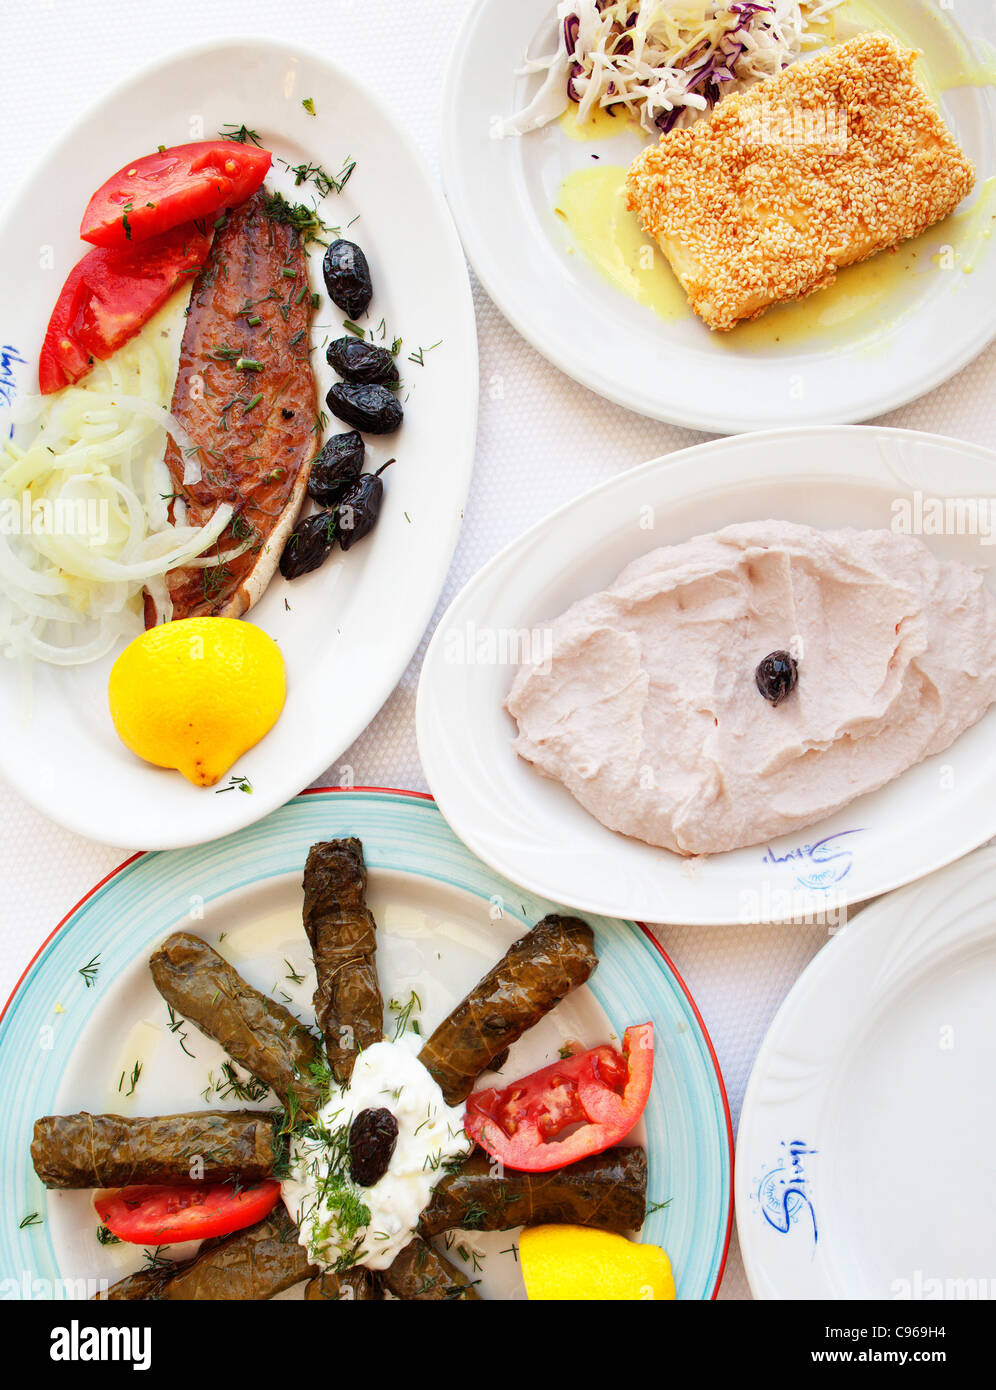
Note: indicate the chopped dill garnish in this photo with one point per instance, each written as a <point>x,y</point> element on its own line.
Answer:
<point>304,220</point>
<point>236,781</point>
<point>232,1084</point>
<point>471,1256</point>
<point>89,971</point>
<point>241,134</point>
<point>309,105</point>
<point>155,1259</point>
<point>213,579</point>
<point>136,1072</point>
<point>107,1237</point>
<point>418,357</point>
<point>404,1013</point>
<point>175,1025</point>
<point>32,1219</point>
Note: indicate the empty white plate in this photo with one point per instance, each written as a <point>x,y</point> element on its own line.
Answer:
<point>865,1158</point>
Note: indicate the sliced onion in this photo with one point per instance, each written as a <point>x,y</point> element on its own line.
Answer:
<point>69,598</point>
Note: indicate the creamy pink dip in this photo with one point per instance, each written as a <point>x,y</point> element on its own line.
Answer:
<point>650,716</point>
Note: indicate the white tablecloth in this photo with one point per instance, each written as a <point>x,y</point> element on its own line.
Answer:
<point>542,440</point>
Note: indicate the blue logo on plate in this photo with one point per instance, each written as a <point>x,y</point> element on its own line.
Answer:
<point>8,381</point>
<point>783,1194</point>
<point>820,865</point>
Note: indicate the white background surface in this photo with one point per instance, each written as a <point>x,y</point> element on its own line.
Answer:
<point>541,441</point>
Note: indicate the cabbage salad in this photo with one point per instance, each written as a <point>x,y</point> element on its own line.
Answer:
<point>663,62</point>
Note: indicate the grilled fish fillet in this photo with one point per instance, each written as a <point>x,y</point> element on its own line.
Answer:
<point>245,393</point>
<point>839,157</point>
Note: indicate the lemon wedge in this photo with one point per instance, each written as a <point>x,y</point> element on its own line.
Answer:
<point>196,694</point>
<point>575,1262</point>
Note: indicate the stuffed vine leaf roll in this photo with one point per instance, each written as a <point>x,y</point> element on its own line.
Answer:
<point>534,974</point>
<point>343,936</point>
<point>420,1272</point>
<point>247,1267</point>
<point>71,1151</point>
<point>257,1032</point>
<point>356,1285</point>
<point>608,1191</point>
<point>144,1285</point>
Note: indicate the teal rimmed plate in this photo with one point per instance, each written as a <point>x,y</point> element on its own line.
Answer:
<point>85,1029</point>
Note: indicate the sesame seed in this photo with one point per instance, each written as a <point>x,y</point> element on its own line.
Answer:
<point>832,161</point>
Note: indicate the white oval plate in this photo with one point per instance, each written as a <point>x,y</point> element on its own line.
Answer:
<point>347,631</point>
<point>532,830</point>
<point>865,1152</point>
<point>503,194</point>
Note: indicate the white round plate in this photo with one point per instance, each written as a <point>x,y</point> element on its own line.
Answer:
<point>532,830</point>
<point>347,631</point>
<point>865,1152</point>
<point>443,919</point>
<point>503,194</point>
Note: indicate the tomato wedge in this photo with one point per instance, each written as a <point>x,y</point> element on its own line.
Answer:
<point>109,296</point>
<point>161,191</point>
<point>165,1215</point>
<point>597,1095</point>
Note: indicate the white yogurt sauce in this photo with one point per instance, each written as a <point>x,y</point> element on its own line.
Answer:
<point>371,1225</point>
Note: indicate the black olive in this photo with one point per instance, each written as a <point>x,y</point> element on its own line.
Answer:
<point>287,414</point>
<point>308,545</point>
<point>372,1139</point>
<point>347,278</point>
<point>777,676</point>
<point>359,508</point>
<point>336,468</point>
<point>361,362</point>
<point>372,409</point>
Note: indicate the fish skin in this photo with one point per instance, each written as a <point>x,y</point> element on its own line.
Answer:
<point>258,459</point>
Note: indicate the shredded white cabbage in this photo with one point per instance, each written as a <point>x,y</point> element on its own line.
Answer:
<point>664,61</point>
<point>84,525</point>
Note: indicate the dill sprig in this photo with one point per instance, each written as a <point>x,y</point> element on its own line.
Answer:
<point>175,1025</point>
<point>418,357</point>
<point>155,1259</point>
<point>305,220</point>
<point>89,972</point>
<point>404,1015</point>
<point>236,781</point>
<point>232,1084</point>
<point>241,134</point>
<point>136,1072</point>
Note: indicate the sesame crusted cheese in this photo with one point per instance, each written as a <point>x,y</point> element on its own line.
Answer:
<point>838,158</point>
